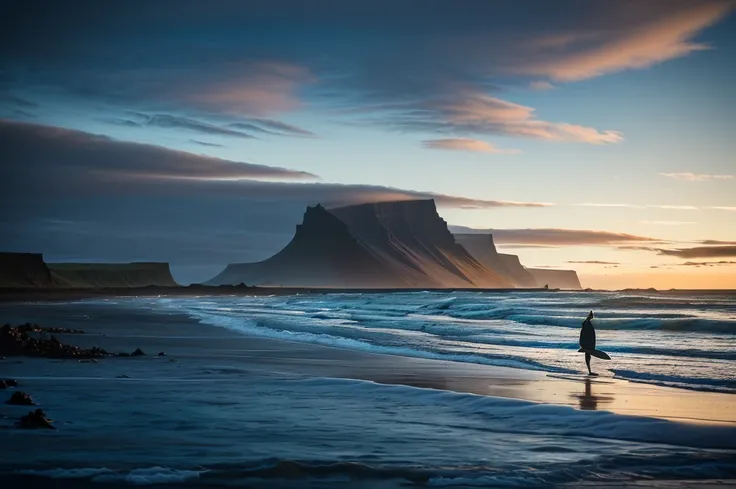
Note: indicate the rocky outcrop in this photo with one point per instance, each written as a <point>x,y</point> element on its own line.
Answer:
<point>19,341</point>
<point>556,279</point>
<point>380,245</point>
<point>35,420</point>
<point>20,399</point>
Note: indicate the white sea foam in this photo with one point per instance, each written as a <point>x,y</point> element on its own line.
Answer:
<point>525,417</point>
<point>150,476</point>
<point>688,341</point>
<point>139,477</point>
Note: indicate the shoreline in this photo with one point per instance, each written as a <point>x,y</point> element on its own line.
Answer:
<point>118,328</point>
<point>54,294</point>
<point>197,290</point>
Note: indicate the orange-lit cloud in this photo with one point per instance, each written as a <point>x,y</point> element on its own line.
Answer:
<point>257,89</point>
<point>700,252</point>
<point>557,237</point>
<point>717,242</point>
<point>638,40</point>
<point>697,177</point>
<point>668,223</point>
<point>491,114</point>
<point>707,263</point>
<point>470,111</point>
<point>466,144</point>
<point>638,206</point>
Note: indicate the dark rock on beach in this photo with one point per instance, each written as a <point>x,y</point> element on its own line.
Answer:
<point>35,328</point>
<point>35,420</point>
<point>4,383</point>
<point>137,353</point>
<point>20,399</point>
<point>21,340</point>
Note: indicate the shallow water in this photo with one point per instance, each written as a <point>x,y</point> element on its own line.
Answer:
<point>683,340</point>
<point>202,416</point>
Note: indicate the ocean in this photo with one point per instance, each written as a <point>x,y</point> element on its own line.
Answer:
<point>215,411</point>
<point>683,340</point>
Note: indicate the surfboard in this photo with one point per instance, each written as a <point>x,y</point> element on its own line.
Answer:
<point>596,353</point>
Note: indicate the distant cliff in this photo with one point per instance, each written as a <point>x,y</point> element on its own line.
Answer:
<point>482,248</point>
<point>24,270</point>
<point>30,271</point>
<point>380,245</point>
<point>556,279</point>
<point>109,275</point>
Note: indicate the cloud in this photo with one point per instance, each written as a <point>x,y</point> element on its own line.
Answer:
<point>54,154</point>
<point>556,237</point>
<point>707,263</point>
<point>205,143</point>
<point>443,73</point>
<point>668,223</point>
<point>641,206</point>
<point>717,242</point>
<point>541,85</point>
<point>638,35</point>
<point>469,111</point>
<point>169,121</point>
<point>258,88</point>
<point>16,107</point>
<point>722,208</point>
<point>697,177</point>
<point>65,162</point>
<point>234,129</point>
<point>440,74</point>
<point>595,262</point>
<point>464,144</point>
<point>700,252</point>
<point>676,207</point>
<point>8,99</point>
<point>269,126</point>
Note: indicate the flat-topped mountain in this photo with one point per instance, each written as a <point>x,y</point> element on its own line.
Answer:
<point>556,279</point>
<point>481,246</point>
<point>109,275</point>
<point>30,271</point>
<point>403,244</point>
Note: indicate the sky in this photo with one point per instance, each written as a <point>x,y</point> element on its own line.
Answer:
<point>597,136</point>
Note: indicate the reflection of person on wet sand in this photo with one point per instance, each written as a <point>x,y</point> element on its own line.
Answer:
<point>588,401</point>
<point>587,339</point>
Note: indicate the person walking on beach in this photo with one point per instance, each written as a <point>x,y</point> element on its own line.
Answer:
<point>587,339</point>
